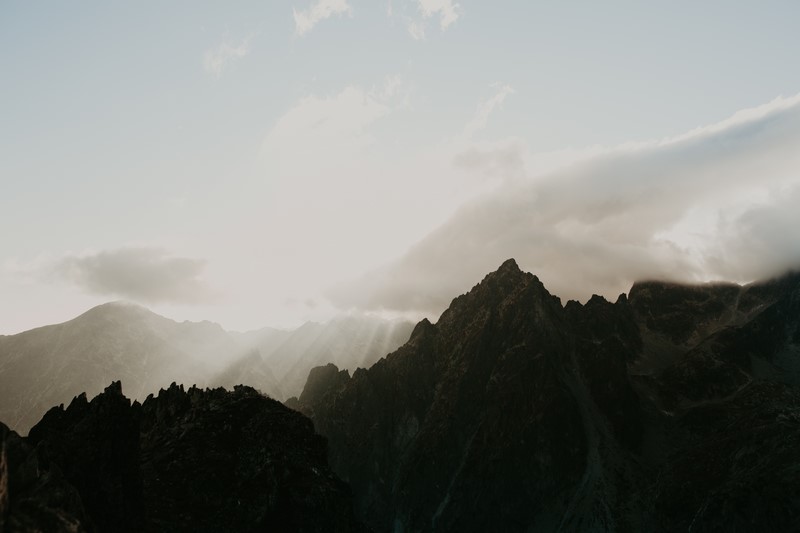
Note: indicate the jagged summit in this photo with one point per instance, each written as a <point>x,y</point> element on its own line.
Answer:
<point>508,291</point>
<point>422,327</point>
<point>509,270</point>
<point>509,265</point>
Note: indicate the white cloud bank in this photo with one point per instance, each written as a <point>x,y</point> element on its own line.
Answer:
<point>305,20</point>
<point>216,59</point>
<point>719,202</point>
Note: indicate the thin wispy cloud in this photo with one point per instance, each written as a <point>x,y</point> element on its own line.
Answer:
<point>217,59</point>
<point>334,127</point>
<point>416,28</point>
<point>714,203</point>
<point>338,129</point>
<point>445,10</point>
<point>306,19</point>
<point>485,109</point>
<point>147,275</point>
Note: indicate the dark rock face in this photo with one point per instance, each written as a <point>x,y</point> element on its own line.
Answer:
<point>675,408</point>
<point>35,496</point>
<point>260,465</point>
<point>736,468</point>
<point>195,460</point>
<point>96,446</point>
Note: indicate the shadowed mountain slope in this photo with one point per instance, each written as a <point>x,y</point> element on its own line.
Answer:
<point>673,408</point>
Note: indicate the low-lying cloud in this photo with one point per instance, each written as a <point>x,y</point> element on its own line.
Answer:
<point>147,275</point>
<point>719,202</point>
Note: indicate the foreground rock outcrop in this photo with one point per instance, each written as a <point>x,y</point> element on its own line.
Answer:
<point>185,460</point>
<point>672,409</point>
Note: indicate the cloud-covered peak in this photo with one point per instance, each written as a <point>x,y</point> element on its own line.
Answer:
<point>715,203</point>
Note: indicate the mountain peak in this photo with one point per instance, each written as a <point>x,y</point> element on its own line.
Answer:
<point>509,274</point>
<point>422,327</point>
<point>509,263</point>
<point>117,308</point>
<point>507,287</point>
<point>509,278</point>
<point>509,266</point>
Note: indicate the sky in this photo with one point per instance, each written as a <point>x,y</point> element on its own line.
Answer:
<point>273,162</point>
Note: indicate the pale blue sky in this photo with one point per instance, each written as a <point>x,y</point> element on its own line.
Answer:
<point>281,160</point>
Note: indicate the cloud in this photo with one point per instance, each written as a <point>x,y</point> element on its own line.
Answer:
<point>505,158</point>
<point>215,60</point>
<point>416,29</point>
<point>148,275</point>
<point>716,203</point>
<point>335,128</point>
<point>326,181</point>
<point>305,20</point>
<point>447,11</point>
<point>761,240</point>
<point>484,110</point>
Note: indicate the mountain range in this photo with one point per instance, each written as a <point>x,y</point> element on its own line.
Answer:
<point>122,341</point>
<point>673,408</point>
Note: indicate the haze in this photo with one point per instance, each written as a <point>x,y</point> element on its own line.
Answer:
<point>277,162</point>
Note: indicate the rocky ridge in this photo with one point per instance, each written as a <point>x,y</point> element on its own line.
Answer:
<point>184,460</point>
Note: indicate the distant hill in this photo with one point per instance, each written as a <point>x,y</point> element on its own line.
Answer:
<point>116,341</point>
<point>121,341</point>
<point>348,342</point>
